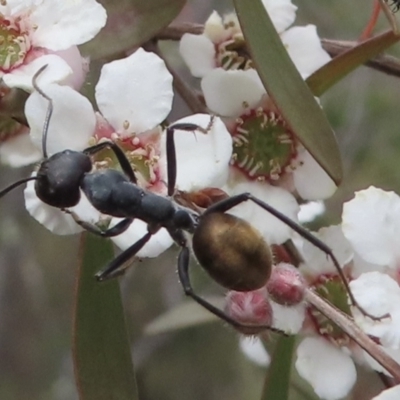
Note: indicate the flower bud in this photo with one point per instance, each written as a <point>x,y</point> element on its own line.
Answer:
<point>286,285</point>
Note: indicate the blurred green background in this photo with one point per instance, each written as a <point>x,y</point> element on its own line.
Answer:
<point>37,268</point>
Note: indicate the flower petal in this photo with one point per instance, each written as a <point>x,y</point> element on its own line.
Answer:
<point>305,49</point>
<point>230,93</point>
<point>202,158</point>
<point>198,52</point>
<point>379,294</point>
<point>78,64</point>
<point>18,151</point>
<point>159,242</point>
<point>371,223</point>
<point>60,25</point>
<point>135,94</point>
<point>282,13</point>
<point>320,364</point>
<point>288,319</point>
<point>22,77</point>
<point>316,261</point>
<point>310,180</point>
<point>72,122</point>
<point>311,210</point>
<point>273,230</point>
<point>254,350</point>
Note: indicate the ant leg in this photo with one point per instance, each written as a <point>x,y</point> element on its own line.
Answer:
<point>112,268</point>
<point>183,271</point>
<point>116,230</point>
<point>227,204</point>
<point>123,161</point>
<point>171,153</point>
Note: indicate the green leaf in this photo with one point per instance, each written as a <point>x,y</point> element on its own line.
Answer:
<point>130,23</point>
<point>287,89</point>
<point>101,349</point>
<point>277,382</point>
<point>324,78</point>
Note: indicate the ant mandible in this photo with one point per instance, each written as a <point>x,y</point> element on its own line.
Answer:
<point>233,253</point>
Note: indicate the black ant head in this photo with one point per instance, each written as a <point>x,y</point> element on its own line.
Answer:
<point>59,177</point>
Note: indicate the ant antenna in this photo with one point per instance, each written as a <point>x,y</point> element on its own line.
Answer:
<point>15,184</point>
<point>49,109</point>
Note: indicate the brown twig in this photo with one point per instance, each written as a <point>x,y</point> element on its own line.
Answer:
<point>387,64</point>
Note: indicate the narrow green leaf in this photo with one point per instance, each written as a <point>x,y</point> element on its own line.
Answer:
<point>130,23</point>
<point>286,87</point>
<point>324,78</point>
<point>101,350</point>
<point>277,381</point>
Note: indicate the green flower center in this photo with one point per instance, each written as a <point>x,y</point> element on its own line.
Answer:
<point>14,44</point>
<point>263,145</point>
<point>332,289</point>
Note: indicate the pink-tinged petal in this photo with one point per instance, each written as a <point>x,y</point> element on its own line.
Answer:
<point>72,123</point>
<point>288,319</point>
<point>316,261</point>
<point>22,77</point>
<point>198,52</point>
<point>135,94</point>
<point>202,158</point>
<point>230,93</point>
<point>305,49</point>
<point>371,223</point>
<point>159,242</point>
<point>18,151</point>
<point>60,25</point>
<point>389,394</point>
<point>273,230</point>
<point>282,13</point>
<point>310,180</point>
<point>78,65</point>
<point>320,364</point>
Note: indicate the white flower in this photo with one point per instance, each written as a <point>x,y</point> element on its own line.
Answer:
<point>233,89</point>
<point>203,53</point>
<point>33,29</point>
<point>134,95</point>
<point>371,225</point>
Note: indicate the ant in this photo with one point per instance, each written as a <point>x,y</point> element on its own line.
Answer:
<point>233,253</point>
